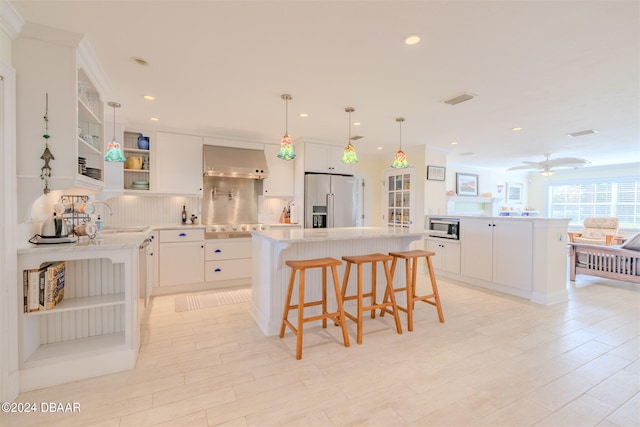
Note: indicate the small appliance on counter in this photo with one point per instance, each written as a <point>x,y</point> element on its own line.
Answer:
<point>54,230</point>
<point>444,228</point>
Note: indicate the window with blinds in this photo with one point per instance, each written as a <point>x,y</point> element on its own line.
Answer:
<point>619,197</point>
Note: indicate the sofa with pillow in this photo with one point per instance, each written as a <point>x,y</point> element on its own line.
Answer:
<point>621,262</point>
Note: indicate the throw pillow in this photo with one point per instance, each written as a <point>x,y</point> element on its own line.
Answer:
<point>632,242</point>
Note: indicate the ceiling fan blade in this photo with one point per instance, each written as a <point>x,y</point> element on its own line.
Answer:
<point>536,164</point>
<point>567,162</point>
<point>532,166</point>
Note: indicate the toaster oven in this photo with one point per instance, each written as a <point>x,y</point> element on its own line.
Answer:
<point>444,228</point>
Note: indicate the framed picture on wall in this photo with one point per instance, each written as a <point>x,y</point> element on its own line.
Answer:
<point>435,173</point>
<point>514,193</point>
<point>466,184</point>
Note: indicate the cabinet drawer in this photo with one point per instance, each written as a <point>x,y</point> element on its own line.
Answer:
<point>181,235</point>
<point>227,269</point>
<point>227,249</point>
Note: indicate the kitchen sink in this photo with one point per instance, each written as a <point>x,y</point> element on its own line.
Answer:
<point>130,229</point>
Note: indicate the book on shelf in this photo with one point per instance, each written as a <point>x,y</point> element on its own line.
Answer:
<point>31,288</point>
<point>52,285</point>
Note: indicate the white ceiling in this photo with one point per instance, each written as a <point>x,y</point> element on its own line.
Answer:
<point>219,67</point>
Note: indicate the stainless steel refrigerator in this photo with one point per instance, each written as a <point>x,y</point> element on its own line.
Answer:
<point>330,200</point>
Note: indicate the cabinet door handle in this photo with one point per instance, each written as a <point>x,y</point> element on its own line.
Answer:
<point>217,270</point>
<point>218,251</point>
<point>182,235</point>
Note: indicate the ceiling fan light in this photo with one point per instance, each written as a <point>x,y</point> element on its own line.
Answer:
<point>547,172</point>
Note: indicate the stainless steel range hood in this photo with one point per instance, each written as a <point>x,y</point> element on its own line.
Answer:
<point>235,162</point>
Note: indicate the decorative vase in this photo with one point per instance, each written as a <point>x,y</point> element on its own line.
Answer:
<point>143,142</point>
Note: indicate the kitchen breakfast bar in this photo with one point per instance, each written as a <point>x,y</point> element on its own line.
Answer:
<point>272,248</point>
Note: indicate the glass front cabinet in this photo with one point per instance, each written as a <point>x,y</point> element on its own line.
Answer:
<point>399,198</point>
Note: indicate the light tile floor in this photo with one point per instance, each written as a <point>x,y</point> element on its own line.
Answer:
<point>496,361</point>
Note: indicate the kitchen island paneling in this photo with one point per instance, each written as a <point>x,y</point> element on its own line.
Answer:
<point>272,248</point>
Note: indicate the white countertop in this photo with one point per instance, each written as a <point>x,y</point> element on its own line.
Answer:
<point>345,233</point>
<point>102,241</point>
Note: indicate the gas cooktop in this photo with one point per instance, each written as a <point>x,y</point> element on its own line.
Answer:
<point>227,231</point>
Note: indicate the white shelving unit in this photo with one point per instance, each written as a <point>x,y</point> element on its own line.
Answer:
<point>130,148</point>
<point>469,205</point>
<point>93,330</point>
<point>61,77</point>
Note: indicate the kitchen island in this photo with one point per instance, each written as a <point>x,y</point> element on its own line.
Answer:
<point>272,248</point>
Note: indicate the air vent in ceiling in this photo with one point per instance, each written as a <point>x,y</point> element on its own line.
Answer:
<point>458,99</point>
<point>583,132</point>
<point>356,137</point>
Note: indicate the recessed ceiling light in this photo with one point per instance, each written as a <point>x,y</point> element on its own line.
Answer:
<point>379,148</point>
<point>516,128</point>
<point>303,115</point>
<point>149,97</point>
<point>154,119</point>
<point>583,132</point>
<point>454,142</point>
<point>140,61</point>
<point>412,39</point>
<point>356,123</point>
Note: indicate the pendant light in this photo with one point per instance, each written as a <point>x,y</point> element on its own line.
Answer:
<point>349,155</point>
<point>400,160</point>
<point>287,152</point>
<point>114,151</point>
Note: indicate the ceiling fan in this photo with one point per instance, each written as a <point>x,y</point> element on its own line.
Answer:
<point>547,166</point>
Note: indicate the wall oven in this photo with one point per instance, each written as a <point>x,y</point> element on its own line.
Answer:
<point>444,228</point>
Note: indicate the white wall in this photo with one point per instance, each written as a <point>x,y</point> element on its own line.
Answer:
<point>10,25</point>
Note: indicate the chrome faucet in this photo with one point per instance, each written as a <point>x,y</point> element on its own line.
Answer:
<point>106,204</point>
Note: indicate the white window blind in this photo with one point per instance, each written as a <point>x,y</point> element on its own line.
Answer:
<point>619,197</point>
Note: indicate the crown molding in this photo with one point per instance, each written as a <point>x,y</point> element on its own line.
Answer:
<point>10,20</point>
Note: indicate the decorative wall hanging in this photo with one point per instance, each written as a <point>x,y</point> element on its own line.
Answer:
<point>47,156</point>
<point>435,173</point>
<point>466,184</point>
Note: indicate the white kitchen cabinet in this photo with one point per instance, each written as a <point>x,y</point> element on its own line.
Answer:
<point>279,183</point>
<point>325,158</point>
<point>498,251</point>
<point>447,256</point>
<point>93,330</point>
<point>181,257</point>
<point>178,164</point>
<point>399,198</point>
<point>228,259</point>
<point>59,76</point>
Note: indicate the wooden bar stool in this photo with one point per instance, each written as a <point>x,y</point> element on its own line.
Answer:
<point>373,259</point>
<point>338,316</point>
<point>410,286</point>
